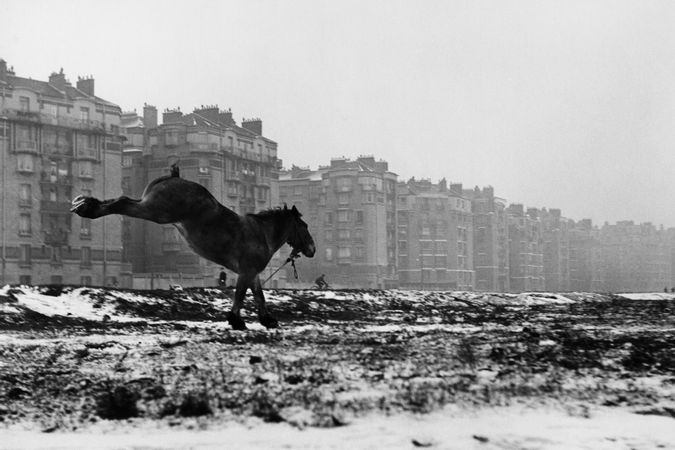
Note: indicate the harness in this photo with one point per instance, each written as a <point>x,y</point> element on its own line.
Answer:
<point>295,254</point>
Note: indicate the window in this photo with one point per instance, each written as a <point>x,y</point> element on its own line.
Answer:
<point>52,194</point>
<point>24,225</point>
<point>25,162</point>
<point>328,235</point>
<point>85,227</point>
<point>24,255</point>
<point>359,217</point>
<point>24,104</point>
<point>344,184</point>
<point>344,234</point>
<point>84,113</point>
<point>328,218</point>
<point>343,198</point>
<point>85,169</point>
<point>329,254</point>
<point>344,252</point>
<point>344,215</point>
<point>57,256</point>
<point>25,195</point>
<point>358,234</point>
<point>359,253</point>
<point>85,257</point>
<point>4,129</point>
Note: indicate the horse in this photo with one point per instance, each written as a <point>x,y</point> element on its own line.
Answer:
<point>244,244</point>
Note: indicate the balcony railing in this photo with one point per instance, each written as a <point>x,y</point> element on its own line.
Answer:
<point>55,207</point>
<point>56,237</point>
<point>87,153</point>
<point>26,146</point>
<point>65,180</point>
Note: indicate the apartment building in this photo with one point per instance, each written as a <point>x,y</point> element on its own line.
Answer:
<point>350,207</point>
<point>57,141</point>
<point>556,239</point>
<point>435,236</point>
<point>490,240</point>
<point>235,162</point>
<point>633,258</point>
<point>526,258</point>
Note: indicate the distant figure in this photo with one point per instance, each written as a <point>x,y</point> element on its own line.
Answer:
<point>321,281</point>
<point>672,289</point>
<point>222,278</point>
<point>665,289</point>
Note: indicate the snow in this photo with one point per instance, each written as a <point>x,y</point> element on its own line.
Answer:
<point>451,428</point>
<point>649,296</point>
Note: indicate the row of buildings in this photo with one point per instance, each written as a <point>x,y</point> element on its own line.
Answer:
<point>59,140</point>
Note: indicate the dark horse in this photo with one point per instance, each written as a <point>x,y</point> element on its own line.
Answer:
<point>243,244</point>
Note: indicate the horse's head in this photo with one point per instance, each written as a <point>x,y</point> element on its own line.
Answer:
<point>299,237</point>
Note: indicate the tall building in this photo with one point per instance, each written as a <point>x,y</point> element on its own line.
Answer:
<point>526,259</point>
<point>350,207</point>
<point>435,236</point>
<point>491,240</point>
<point>583,250</point>
<point>57,141</point>
<point>555,234</point>
<point>236,163</point>
<point>633,258</point>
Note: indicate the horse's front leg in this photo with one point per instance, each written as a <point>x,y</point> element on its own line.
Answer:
<point>234,316</point>
<point>264,316</point>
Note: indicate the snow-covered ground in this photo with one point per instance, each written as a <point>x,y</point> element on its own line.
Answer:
<point>490,428</point>
<point>487,370</point>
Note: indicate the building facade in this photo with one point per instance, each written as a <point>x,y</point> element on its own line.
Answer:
<point>526,258</point>
<point>435,236</point>
<point>58,141</point>
<point>236,163</point>
<point>556,237</point>
<point>491,240</point>
<point>350,207</point>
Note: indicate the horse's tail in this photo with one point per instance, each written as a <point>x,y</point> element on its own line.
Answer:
<point>175,171</point>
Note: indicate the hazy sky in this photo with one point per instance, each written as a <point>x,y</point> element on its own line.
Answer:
<point>559,104</point>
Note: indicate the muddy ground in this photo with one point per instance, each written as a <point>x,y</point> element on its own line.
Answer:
<point>169,358</point>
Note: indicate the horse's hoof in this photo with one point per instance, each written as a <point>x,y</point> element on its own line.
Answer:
<point>236,322</point>
<point>84,206</point>
<point>269,321</point>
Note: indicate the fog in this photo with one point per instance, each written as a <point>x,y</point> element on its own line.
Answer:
<point>564,105</point>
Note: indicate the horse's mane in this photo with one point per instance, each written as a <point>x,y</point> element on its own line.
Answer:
<point>272,213</point>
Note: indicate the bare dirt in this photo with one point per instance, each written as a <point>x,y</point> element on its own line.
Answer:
<point>338,356</point>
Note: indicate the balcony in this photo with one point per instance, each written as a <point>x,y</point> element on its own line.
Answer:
<point>26,146</point>
<point>87,153</point>
<point>57,150</point>
<point>65,180</point>
<point>49,206</point>
<point>56,237</point>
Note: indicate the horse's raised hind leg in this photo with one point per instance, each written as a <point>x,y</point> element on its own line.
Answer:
<point>234,316</point>
<point>264,316</point>
<point>93,208</point>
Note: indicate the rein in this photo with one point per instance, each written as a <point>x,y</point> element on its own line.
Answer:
<point>291,259</point>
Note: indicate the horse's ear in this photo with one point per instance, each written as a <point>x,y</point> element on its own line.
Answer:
<point>296,212</point>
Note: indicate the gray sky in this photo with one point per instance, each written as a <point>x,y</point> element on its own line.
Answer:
<point>559,104</point>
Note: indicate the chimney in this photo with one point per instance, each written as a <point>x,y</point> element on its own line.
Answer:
<point>172,116</point>
<point>210,113</point>
<point>252,125</point>
<point>368,161</point>
<point>149,116</point>
<point>86,85</point>
<point>58,80</point>
<point>443,185</point>
<point>456,188</point>
<point>225,118</point>
<point>516,209</point>
<point>3,70</point>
